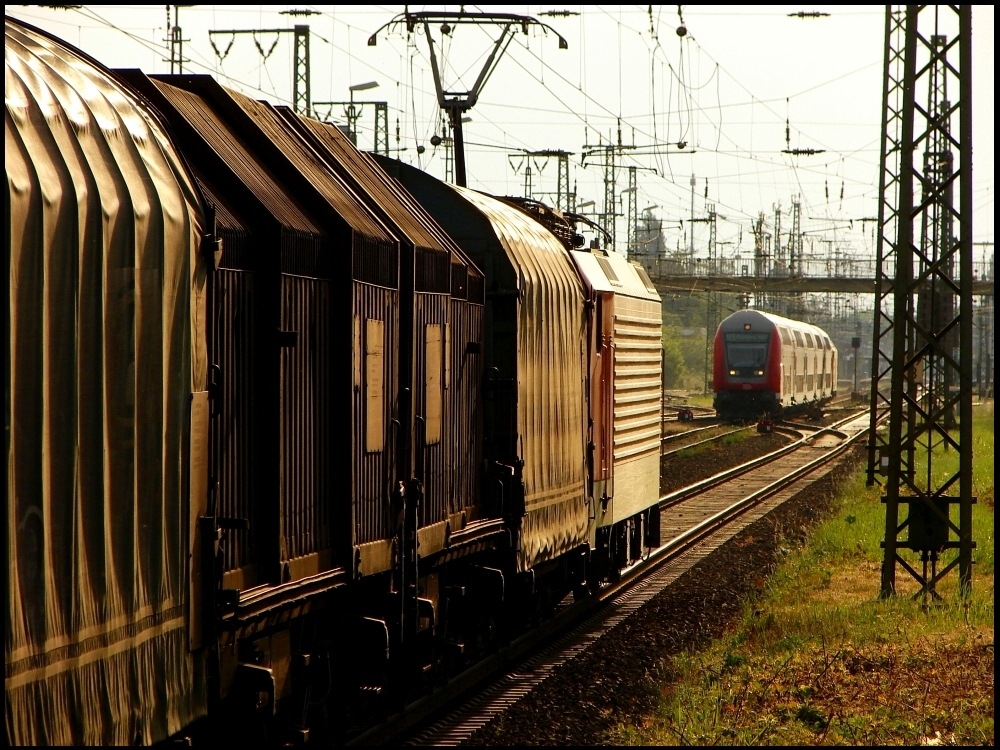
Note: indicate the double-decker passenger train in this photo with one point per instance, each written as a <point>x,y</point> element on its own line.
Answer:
<point>291,431</point>
<point>766,366</point>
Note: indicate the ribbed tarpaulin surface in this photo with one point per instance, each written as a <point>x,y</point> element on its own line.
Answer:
<point>551,382</point>
<point>106,367</point>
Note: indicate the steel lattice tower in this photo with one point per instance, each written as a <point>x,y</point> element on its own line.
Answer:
<point>920,442</point>
<point>301,93</point>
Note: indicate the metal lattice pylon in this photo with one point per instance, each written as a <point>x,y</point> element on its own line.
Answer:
<point>920,443</point>
<point>301,91</point>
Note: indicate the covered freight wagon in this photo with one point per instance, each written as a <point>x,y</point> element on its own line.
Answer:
<point>107,406</point>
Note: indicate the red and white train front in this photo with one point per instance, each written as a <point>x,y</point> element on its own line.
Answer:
<point>765,365</point>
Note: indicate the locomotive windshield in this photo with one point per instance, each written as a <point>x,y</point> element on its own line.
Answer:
<point>746,352</point>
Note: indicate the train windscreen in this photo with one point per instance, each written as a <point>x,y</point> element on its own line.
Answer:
<point>746,352</point>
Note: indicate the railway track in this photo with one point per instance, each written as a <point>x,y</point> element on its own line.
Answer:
<point>695,521</point>
<point>693,438</point>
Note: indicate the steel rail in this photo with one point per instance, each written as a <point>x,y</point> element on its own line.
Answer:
<point>516,668</point>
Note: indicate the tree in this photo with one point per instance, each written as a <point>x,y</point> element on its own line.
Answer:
<point>674,369</point>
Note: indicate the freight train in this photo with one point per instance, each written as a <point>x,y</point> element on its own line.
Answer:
<point>292,431</point>
<point>766,366</point>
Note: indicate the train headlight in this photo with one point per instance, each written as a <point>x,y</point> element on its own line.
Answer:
<point>732,372</point>
<point>759,372</point>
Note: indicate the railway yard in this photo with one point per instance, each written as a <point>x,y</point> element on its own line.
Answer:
<point>308,446</point>
<point>634,659</point>
<point>553,698</point>
<point>553,701</point>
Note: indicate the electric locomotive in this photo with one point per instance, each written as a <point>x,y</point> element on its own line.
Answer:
<point>766,366</point>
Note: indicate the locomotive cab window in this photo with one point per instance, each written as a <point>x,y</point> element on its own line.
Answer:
<point>746,353</point>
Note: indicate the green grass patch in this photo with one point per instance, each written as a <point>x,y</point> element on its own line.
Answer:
<point>705,442</point>
<point>820,658</point>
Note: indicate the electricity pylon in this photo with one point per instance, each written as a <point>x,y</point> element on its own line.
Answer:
<point>922,343</point>
<point>301,95</point>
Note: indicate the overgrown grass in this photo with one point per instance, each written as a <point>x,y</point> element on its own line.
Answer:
<point>697,398</point>
<point>821,659</point>
<point>729,437</point>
